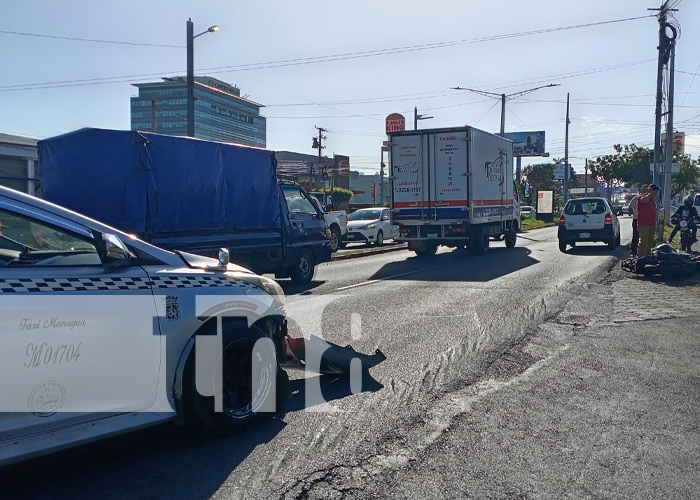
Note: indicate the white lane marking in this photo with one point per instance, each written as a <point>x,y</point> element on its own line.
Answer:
<point>384,279</point>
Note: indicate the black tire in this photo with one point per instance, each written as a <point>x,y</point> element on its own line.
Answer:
<point>342,244</point>
<point>617,240</point>
<point>562,246</point>
<point>428,251</point>
<point>239,399</point>
<point>379,241</point>
<point>336,238</point>
<point>479,240</point>
<point>511,236</point>
<point>303,271</point>
<point>611,243</point>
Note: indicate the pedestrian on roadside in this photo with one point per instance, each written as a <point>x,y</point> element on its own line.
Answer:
<point>646,219</point>
<point>633,212</point>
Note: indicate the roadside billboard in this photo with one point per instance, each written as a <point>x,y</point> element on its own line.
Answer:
<point>527,143</point>
<point>545,202</point>
<point>678,143</point>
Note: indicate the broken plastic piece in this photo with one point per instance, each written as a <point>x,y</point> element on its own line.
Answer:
<point>321,356</point>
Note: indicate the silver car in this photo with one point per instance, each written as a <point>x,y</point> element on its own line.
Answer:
<point>588,219</point>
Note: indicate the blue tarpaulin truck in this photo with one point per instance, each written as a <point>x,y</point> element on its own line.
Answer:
<point>187,194</point>
<point>453,187</point>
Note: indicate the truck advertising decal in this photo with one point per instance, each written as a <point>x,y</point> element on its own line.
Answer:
<point>407,172</point>
<point>494,170</point>
<point>450,170</point>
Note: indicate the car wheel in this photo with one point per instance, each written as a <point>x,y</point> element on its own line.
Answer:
<point>479,240</point>
<point>562,246</point>
<point>303,271</point>
<point>511,236</point>
<point>617,240</point>
<point>247,359</point>
<point>335,239</point>
<point>342,244</point>
<point>612,243</point>
<point>380,238</point>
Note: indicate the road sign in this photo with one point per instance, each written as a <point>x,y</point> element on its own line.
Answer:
<point>395,122</point>
<point>559,171</point>
<point>675,168</point>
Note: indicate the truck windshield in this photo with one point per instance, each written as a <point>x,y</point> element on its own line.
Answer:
<point>365,215</point>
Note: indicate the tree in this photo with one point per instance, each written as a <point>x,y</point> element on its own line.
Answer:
<point>688,177</point>
<point>539,177</point>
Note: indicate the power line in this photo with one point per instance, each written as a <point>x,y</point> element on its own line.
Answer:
<point>303,61</point>
<point>92,40</point>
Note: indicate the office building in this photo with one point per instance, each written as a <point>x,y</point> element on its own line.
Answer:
<point>220,113</point>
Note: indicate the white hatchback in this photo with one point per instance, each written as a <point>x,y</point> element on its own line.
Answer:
<point>588,219</point>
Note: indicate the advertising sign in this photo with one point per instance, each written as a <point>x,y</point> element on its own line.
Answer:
<point>678,144</point>
<point>341,165</point>
<point>527,143</point>
<point>559,171</point>
<point>395,122</point>
<point>545,202</point>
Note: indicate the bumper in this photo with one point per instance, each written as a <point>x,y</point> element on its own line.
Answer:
<point>604,234</point>
<point>359,236</point>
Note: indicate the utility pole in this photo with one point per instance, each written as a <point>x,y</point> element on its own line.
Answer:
<point>566,153</point>
<point>586,177</point>
<point>318,143</point>
<point>665,48</point>
<point>381,175</point>
<point>417,117</point>
<point>669,140</point>
<point>153,115</point>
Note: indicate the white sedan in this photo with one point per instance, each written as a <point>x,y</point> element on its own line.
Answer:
<point>370,226</point>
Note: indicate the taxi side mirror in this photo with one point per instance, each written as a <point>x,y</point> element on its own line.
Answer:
<point>115,251</point>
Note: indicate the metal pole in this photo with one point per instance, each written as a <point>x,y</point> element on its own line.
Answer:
<point>381,177</point>
<point>669,140</point>
<point>153,115</point>
<point>566,153</point>
<point>586,178</point>
<point>659,99</point>
<point>190,78</point>
<point>503,114</point>
<point>415,118</point>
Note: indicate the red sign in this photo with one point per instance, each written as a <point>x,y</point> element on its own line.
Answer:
<point>395,122</point>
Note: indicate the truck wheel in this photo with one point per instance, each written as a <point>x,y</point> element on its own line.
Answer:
<point>479,240</point>
<point>335,239</point>
<point>380,238</point>
<point>427,251</point>
<point>303,270</point>
<point>511,236</point>
<point>241,402</point>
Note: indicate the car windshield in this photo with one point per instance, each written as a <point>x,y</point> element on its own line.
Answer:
<point>365,215</point>
<point>584,207</point>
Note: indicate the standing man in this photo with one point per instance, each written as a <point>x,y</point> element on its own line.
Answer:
<point>646,220</point>
<point>634,213</point>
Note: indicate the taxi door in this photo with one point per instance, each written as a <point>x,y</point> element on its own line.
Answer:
<point>78,339</point>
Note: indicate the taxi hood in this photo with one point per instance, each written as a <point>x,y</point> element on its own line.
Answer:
<point>201,262</point>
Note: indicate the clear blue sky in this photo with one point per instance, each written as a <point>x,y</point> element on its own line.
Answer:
<point>385,56</point>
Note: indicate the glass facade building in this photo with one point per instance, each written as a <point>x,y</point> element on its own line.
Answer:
<point>220,113</point>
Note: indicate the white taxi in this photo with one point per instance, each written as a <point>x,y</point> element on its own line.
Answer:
<point>370,226</point>
<point>101,333</point>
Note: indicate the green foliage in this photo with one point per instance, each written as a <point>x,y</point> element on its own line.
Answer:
<point>340,195</point>
<point>688,177</point>
<point>532,223</point>
<point>538,177</point>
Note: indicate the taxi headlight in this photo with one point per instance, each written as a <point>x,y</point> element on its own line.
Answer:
<point>371,226</point>
<point>262,282</point>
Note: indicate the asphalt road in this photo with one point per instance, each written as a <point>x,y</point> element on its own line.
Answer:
<point>444,322</point>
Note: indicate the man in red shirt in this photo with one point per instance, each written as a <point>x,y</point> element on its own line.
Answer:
<point>646,220</point>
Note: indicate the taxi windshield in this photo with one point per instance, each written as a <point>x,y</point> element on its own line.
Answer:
<point>365,215</point>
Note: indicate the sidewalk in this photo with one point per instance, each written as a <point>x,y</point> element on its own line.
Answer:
<point>602,401</point>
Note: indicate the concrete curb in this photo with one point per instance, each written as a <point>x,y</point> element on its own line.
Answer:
<point>364,252</point>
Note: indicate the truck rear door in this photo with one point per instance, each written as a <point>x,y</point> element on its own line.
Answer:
<point>410,196</point>
<point>448,167</point>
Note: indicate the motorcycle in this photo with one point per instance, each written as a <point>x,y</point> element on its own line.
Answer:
<point>687,236</point>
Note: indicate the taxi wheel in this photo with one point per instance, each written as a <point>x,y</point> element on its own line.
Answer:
<point>249,369</point>
<point>380,238</point>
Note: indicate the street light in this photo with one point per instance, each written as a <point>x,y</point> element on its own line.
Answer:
<point>190,72</point>
<point>417,117</point>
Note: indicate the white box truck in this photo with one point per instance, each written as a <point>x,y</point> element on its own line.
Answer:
<point>453,187</point>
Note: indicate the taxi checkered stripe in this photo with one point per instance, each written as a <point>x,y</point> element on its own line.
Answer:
<point>31,285</point>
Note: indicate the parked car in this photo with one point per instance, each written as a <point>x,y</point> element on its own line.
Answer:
<point>527,211</point>
<point>617,210</point>
<point>370,226</point>
<point>588,219</point>
<point>99,332</point>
